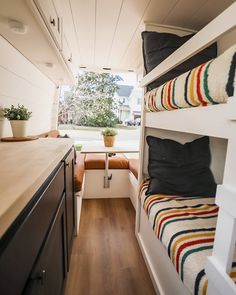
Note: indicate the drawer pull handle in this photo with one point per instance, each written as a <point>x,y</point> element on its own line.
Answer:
<point>52,21</point>
<point>68,164</point>
<point>70,58</point>
<point>40,278</point>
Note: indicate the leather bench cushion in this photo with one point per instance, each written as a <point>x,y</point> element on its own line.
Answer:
<point>97,161</point>
<point>79,172</point>
<point>134,166</point>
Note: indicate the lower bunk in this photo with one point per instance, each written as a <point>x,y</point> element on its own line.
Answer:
<point>176,234</point>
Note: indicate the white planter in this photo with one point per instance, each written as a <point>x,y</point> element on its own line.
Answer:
<point>18,128</point>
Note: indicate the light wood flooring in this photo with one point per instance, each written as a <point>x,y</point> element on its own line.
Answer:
<point>106,259</point>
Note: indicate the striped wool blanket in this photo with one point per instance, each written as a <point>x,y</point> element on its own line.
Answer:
<point>210,83</point>
<point>186,228</point>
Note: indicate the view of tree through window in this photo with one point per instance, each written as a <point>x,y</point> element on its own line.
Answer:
<point>92,101</point>
<point>101,100</point>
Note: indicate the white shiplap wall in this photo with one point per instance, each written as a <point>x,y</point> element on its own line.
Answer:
<point>21,82</point>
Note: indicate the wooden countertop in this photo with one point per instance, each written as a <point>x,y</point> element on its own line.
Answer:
<point>24,166</point>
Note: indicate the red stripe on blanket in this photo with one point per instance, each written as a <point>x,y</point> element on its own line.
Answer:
<point>188,244</point>
<point>183,214</point>
<point>198,86</point>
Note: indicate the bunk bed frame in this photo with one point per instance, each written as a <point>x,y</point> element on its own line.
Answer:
<point>219,123</point>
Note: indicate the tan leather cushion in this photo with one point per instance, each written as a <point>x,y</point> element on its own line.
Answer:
<point>134,166</point>
<point>79,172</point>
<point>97,161</point>
<point>51,133</point>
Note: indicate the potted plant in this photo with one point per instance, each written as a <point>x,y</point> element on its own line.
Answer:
<point>18,117</point>
<point>109,136</point>
<point>78,147</point>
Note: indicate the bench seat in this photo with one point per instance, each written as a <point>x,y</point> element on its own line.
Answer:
<point>97,162</point>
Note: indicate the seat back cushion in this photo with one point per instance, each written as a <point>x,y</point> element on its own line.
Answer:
<point>97,161</point>
<point>134,167</point>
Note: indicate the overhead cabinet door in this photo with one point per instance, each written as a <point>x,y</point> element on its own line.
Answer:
<point>51,18</point>
<point>67,55</point>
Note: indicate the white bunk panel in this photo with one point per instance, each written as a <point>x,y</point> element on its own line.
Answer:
<point>223,284</point>
<point>215,120</point>
<point>226,199</point>
<point>209,34</point>
<point>164,276</point>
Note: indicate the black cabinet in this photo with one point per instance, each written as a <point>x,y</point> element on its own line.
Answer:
<point>49,274</point>
<point>70,202</point>
<point>35,250</point>
<point>24,239</point>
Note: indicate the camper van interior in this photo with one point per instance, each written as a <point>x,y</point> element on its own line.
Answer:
<point>156,216</point>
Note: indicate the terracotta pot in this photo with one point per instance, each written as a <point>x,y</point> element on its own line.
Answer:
<point>18,128</point>
<point>109,141</point>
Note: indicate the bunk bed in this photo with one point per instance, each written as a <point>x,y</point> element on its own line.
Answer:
<point>184,123</point>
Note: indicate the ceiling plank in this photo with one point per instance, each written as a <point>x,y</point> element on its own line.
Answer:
<point>134,48</point>
<point>177,16</point>
<point>108,13</point>
<point>208,12</point>
<point>84,17</point>
<point>130,17</point>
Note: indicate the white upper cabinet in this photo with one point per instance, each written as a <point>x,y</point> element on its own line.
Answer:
<point>68,55</point>
<point>55,17</point>
<point>51,18</point>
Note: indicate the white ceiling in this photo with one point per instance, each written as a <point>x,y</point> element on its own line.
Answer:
<point>108,31</point>
<point>102,33</point>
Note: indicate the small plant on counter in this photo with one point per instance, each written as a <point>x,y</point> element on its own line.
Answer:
<point>78,147</point>
<point>109,136</point>
<point>19,112</point>
<point>18,117</point>
<point>109,132</point>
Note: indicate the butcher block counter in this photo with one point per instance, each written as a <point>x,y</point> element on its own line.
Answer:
<point>37,215</point>
<point>24,166</point>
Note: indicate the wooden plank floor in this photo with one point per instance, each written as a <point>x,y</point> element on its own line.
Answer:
<point>106,258</point>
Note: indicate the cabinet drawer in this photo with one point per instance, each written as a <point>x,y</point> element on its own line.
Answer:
<point>18,257</point>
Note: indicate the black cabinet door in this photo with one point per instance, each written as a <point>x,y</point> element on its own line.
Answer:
<point>49,274</point>
<point>19,249</point>
<point>70,201</point>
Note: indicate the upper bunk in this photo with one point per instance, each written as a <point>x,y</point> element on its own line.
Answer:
<point>216,120</point>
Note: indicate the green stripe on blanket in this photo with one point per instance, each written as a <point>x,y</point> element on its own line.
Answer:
<point>209,83</point>
<point>186,228</point>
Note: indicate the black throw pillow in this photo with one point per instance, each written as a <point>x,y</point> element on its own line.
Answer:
<point>180,169</point>
<point>158,46</point>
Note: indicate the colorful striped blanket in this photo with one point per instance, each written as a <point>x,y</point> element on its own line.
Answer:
<point>209,83</point>
<point>186,228</point>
